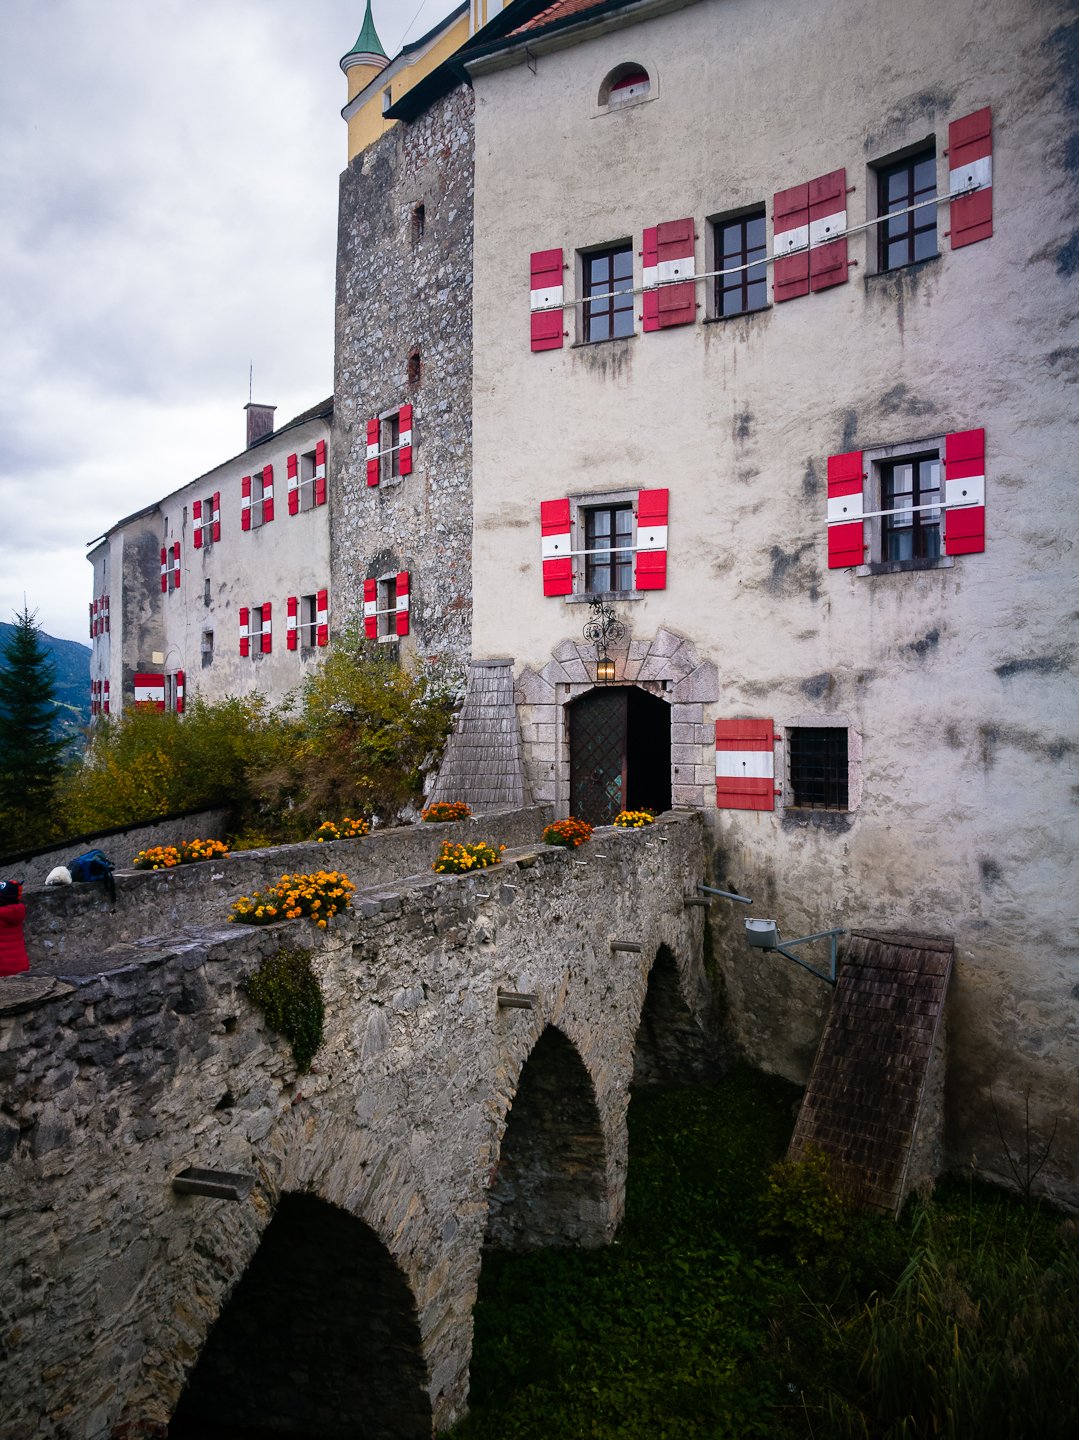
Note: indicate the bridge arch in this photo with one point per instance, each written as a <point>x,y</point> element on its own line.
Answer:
<point>319,1338</point>
<point>550,1185</point>
<point>671,1046</point>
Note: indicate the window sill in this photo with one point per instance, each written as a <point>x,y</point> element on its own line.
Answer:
<point>742,315</point>
<point>608,597</point>
<point>611,340</point>
<point>900,567</point>
<point>914,268</point>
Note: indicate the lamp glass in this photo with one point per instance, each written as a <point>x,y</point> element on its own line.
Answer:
<point>604,670</point>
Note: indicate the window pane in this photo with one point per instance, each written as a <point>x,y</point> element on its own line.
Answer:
<point>925,173</point>
<point>623,264</point>
<point>755,231</point>
<point>925,244</point>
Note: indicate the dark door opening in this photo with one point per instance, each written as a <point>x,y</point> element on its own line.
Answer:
<point>620,753</point>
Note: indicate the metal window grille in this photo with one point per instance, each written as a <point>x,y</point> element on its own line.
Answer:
<point>818,767</point>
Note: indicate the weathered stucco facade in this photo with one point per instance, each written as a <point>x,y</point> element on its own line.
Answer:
<point>950,680</point>
<point>404,338</point>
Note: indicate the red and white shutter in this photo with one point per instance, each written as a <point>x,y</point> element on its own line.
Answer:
<point>964,492</point>
<point>745,765</point>
<point>846,543</point>
<point>196,522</point>
<point>105,700</point>
<point>292,606</point>
<point>93,697</point>
<point>322,617</point>
<point>108,615</point>
<point>404,426</point>
<point>292,470</point>
<point>320,472</point>
<point>176,565</point>
<point>217,515</point>
<point>546,296</point>
<point>649,275</point>
<point>245,503</point>
<point>93,622</point>
<point>267,494</point>
<point>402,602</point>
<point>245,638</point>
<point>970,168</point>
<point>556,547</point>
<point>790,241</point>
<point>650,570</point>
<point>676,303</point>
<point>164,568</point>
<point>150,690</point>
<point>828,231</point>
<point>370,609</point>
<point>267,630</point>
<point>179,692</point>
<point>373,453</point>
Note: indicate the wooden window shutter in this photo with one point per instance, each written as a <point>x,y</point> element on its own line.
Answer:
<point>790,240</point>
<point>292,606</point>
<point>217,515</point>
<point>292,481</point>
<point>964,492</point>
<point>676,304</point>
<point>164,569</point>
<point>546,290</point>
<point>370,609</point>
<point>650,569</point>
<point>373,451</point>
<point>322,618</point>
<point>245,503</point>
<point>970,165</point>
<point>828,219</point>
<point>556,545</point>
<point>196,522</point>
<point>108,614</point>
<point>105,702</point>
<point>267,630</point>
<point>745,765</point>
<point>267,494</point>
<point>176,565</point>
<point>150,690</point>
<point>245,640</point>
<point>404,427</point>
<point>649,275</point>
<point>402,602</point>
<point>179,692</point>
<point>846,542</point>
<point>320,472</point>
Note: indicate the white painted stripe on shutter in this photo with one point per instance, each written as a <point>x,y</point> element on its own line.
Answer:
<point>653,537</point>
<point>828,227</point>
<point>651,274</point>
<point>555,545</point>
<point>975,174</point>
<point>405,438</point>
<point>787,241</point>
<point>402,602</point>
<point>970,491</point>
<point>844,507</point>
<point>679,269</point>
<point>373,452</point>
<point>149,694</point>
<point>370,607</point>
<point>745,764</point>
<point>549,299</point>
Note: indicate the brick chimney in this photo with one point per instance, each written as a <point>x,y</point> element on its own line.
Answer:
<point>259,421</point>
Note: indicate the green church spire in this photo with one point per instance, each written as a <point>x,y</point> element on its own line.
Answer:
<point>367,42</point>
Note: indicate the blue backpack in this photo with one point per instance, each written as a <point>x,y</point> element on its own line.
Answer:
<point>94,865</point>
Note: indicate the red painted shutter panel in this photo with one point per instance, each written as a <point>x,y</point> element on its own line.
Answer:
<point>828,217</point>
<point>790,228</point>
<point>267,630</point>
<point>650,571</point>
<point>176,565</point>
<point>555,542</point>
<point>291,607</point>
<point>402,602</point>
<point>245,503</point>
<point>745,765</point>
<point>267,495</point>
<point>179,692</point>
<point>320,453</point>
<point>373,429</point>
<point>846,542</point>
<point>322,617</point>
<point>105,702</point>
<point>404,423</point>
<point>149,689</point>
<point>320,472</point>
<point>245,639</point>
<point>292,474</point>
<point>546,289</point>
<point>964,482</point>
<point>164,569</point>
<point>196,522</point>
<point>676,304</point>
<point>970,163</point>
<point>649,264</point>
<point>370,608</point>
<point>217,515</point>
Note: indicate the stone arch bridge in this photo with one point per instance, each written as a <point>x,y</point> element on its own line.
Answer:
<point>335,1296</point>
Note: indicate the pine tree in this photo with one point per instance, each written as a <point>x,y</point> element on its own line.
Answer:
<point>31,757</point>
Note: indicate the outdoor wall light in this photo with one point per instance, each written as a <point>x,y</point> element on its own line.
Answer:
<point>764,935</point>
<point>603,629</point>
<point>604,670</point>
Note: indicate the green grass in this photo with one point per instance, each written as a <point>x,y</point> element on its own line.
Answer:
<point>697,1324</point>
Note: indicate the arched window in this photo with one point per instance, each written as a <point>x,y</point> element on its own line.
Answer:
<point>625,85</point>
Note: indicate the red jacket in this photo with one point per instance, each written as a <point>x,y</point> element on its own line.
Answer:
<point>13,957</point>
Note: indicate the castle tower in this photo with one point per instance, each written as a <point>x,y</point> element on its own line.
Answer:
<point>366,58</point>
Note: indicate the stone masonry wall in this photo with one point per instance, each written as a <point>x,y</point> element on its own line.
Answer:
<point>120,845</point>
<point>398,291</point>
<point>114,1083</point>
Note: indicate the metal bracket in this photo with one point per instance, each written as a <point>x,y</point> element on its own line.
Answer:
<point>515,1000</point>
<point>726,894</point>
<point>831,935</point>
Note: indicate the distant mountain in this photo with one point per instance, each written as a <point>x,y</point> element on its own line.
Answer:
<point>72,662</point>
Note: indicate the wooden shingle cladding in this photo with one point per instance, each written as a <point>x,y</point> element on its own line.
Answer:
<point>874,1093</point>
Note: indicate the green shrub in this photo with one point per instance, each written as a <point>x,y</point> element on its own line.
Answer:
<point>286,990</point>
<point>804,1207</point>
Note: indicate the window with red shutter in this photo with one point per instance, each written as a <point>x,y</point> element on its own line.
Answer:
<point>745,765</point>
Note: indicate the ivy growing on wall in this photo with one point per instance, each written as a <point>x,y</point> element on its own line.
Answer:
<point>286,989</point>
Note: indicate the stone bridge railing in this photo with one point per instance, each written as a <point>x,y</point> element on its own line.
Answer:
<point>435,1122</point>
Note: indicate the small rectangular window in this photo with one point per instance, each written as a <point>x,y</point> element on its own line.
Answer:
<point>206,592</point>
<point>818,767</point>
<point>170,694</point>
<point>387,607</point>
<point>307,480</point>
<point>906,192</point>
<point>255,630</point>
<point>607,277</point>
<point>607,567</point>
<point>419,222</point>
<point>207,646</point>
<point>390,445</point>
<point>256,501</point>
<point>907,487</point>
<point>308,621</point>
<point>740,247</point>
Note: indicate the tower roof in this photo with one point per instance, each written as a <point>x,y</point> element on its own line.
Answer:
<point>367,41</point>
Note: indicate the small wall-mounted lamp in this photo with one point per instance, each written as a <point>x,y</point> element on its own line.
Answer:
<point>764,935</point>
<point>603,629</point>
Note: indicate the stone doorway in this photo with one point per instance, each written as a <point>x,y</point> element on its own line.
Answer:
<point>620,753</point>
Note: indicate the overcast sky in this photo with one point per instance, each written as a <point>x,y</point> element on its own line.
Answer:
<point>168,187</point>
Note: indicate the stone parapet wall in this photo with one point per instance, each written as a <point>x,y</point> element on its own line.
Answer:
<point>72,925</point>
<point>115,1082</point>
<point>120,845</point>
